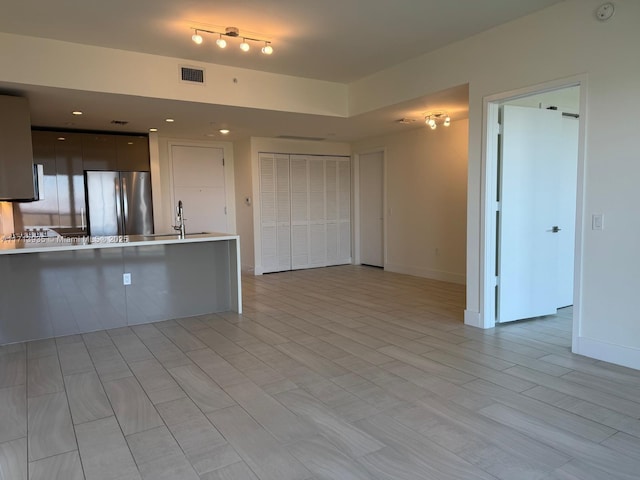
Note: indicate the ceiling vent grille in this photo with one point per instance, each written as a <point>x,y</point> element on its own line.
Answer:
<point>192,75</point>
<point>296,137</point>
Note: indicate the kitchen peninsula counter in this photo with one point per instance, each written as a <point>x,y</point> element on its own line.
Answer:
<point>57,286</point>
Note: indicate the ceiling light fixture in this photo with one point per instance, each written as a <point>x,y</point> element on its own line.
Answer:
<point>224,131</point>
<point>153,129</point>
<point>76,112</point>
<point>232,32</point>
<point>197,38</point>
<point>169,120</point>
<point>433,119</point>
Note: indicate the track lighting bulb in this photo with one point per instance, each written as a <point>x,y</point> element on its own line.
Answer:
<point>221,42</point>
<point>267,49</point>
<point>433,125</point>
<point>244,46</point>
<point>197,38</point>
<point>447,121</point>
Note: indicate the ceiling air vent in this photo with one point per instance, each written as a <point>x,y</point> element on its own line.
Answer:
<point>119,122</point>
<point>296,137</point>
<point>192,75</point>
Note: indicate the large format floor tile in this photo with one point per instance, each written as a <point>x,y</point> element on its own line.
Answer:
<point>348,373</point>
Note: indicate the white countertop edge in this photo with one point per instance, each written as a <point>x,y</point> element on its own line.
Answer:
<point>8,247</point>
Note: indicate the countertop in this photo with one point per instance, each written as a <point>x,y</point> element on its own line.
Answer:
<point>55,244</point>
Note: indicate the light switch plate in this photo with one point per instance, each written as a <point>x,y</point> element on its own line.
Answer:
<point>597,221</point>
<point>126,279</point>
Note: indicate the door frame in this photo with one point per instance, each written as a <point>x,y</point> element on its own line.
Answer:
<point>229,180</point>
<point>356,204</point>
<point>488,237</point>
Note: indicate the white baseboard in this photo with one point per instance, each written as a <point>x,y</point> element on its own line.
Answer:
<point>472,319</point>
<point>458,278</point>
<point>608,352</point>
<point>247,269</point>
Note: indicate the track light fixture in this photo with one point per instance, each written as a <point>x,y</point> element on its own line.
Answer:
<point>433,119</point>
<point>233,32</point>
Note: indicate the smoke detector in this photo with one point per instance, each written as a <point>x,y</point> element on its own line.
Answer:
<point>605,11</point>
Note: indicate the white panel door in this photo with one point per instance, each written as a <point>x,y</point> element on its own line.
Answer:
<point>371,209</point>
<point>567,193</point>
<point>198,180</point>
<point>528,246</point>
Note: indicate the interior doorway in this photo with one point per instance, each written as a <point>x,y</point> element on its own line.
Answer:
<point>198,179</point>
<point>371,175</point>
<point>533,168</point>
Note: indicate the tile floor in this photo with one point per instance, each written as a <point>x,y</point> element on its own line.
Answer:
<point>338,373</point>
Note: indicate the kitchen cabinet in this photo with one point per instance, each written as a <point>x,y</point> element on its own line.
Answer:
<point>99,152</point>
<point>44,212</point>
<point>62,195</point>
<point>16,159</point>
<point>132,153</point>
<point>64,157</point>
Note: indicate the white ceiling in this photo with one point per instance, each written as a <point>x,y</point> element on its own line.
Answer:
<point>335,40</point>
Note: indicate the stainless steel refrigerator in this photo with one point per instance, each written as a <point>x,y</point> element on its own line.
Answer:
<point>119,203</point>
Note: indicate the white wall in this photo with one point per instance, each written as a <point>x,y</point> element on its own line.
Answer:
<point>244,212</point>
<point>279,145</point>
<point>52,63</point>
<point>560,41</point>
<point>426,201</point>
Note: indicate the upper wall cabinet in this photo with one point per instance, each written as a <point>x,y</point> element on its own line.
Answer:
<point>99,152</point>
<point>126,153</point>
<point>132,153</point>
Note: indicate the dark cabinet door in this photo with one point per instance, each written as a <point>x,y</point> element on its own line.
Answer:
<point>132,153</point>
<point>44,212</point>
<point>99,152</point>
<point>69,168</point>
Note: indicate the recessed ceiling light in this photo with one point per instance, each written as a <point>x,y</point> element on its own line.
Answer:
<point>210,135</point>
<point>224,131</point>
<point>153,129</point>
<point>76,112</point>
<point>62,139</point>
<point>169,120</point>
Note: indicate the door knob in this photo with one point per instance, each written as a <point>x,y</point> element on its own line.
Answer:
<point>555,229</point>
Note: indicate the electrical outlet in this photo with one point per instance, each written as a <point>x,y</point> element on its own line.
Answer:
<point>126,279</point>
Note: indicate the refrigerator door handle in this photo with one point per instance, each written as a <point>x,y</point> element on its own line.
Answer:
<point>125,206</point>
<point>118,206</point>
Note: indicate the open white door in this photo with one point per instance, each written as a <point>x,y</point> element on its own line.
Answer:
<point>529,218</point>
<point>371,209</point>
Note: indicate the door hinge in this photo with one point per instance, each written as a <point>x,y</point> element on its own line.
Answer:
<point>225,210</point>
<point>496,281</point>
<point>223,162</point>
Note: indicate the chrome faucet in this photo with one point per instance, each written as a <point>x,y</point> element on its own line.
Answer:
<point>180,219</point>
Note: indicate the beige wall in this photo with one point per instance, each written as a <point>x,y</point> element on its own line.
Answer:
<point>244,212</point>
<point>426,185</point>
<point>562,41</point>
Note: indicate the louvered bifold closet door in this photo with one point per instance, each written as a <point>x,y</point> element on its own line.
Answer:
<point>344,210</point>
<point>275,207</point>
<point>331,206</point>
<point>317,218</point>
<point>299,211</point>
